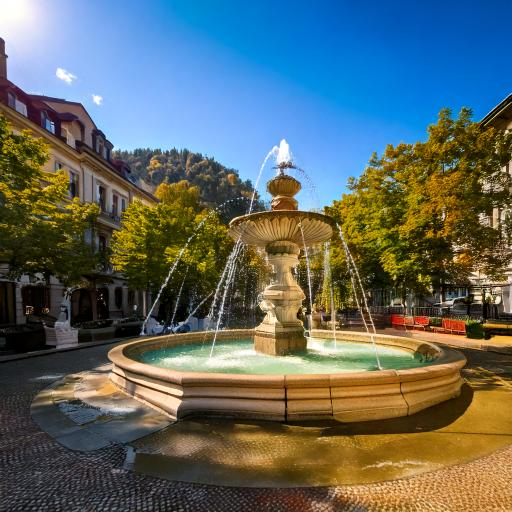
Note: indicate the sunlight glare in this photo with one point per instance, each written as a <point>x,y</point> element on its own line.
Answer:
<point>14,11</point>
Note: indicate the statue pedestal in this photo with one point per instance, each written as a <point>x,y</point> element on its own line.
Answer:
<point>61,337</point>
<point>281,341</point>
<point>281,332</point>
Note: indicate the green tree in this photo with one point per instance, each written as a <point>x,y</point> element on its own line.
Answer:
<point>152,238</point>
<point>41,230</point>
<point>416,218</point>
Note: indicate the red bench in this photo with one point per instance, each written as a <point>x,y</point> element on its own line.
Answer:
<point>454,326</point>
<point>421,322</point>
<point>402,321</point>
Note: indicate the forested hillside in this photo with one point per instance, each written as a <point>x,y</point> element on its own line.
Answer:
<point>217,184</point>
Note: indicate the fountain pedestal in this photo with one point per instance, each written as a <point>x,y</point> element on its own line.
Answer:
<point>281,332</point>
<point>281,232</point>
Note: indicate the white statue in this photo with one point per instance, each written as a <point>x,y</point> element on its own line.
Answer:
<point>62,335</point>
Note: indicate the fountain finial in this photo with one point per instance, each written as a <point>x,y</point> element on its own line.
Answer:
<point>281,166</point>
<point>283,187</point>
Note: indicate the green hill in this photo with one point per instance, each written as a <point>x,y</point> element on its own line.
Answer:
<point>217,183</point>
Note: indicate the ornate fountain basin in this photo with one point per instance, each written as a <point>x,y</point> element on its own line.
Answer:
<point>344,396</point>
<point>263,228</point>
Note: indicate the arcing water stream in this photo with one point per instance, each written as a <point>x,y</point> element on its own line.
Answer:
<point>354,271</point>
<point>180,255</point>
<point>281,154</point>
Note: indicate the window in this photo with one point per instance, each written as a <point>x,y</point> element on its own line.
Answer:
<point>66,132</point>
<point>11,100</point>
<point>102,198</point>
<point>131,297</point>
<point>100,146</point>
<point>7,302</point>
<point>102,243</point>
<point>118,297</point>
<point>115,205</point>
<point>123,204</point>
<point>36,299</point>
<point>74,180</point>
<point>16,104</point>
<point>47,123</point>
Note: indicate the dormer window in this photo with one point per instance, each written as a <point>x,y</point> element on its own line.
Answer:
<point>100,146</point>
<point>16,104</point>
<point>66,133</point>
<point>47,123</point>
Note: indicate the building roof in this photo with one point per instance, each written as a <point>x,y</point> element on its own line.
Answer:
<point>65,102</point>
<point>503,111</point>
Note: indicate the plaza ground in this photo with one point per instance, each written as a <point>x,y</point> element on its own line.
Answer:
<point>38,473</point>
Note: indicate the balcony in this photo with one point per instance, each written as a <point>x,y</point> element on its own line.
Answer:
<point>109,218</point>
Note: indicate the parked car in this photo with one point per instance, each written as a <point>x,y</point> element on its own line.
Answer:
<point>459,306</point>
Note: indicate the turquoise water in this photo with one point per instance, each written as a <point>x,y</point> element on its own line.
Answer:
<point>240,357</point>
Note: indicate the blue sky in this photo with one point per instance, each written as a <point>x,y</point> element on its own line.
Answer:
<point>337,79</point>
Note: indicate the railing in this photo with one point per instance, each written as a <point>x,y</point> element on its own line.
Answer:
<point>104,215</point>
<point>476,311</point>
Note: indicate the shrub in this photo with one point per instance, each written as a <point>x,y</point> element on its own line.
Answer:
<point>474,329</point>
<point>435,321</point>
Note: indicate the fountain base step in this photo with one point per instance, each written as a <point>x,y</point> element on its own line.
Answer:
<point>280,343</point>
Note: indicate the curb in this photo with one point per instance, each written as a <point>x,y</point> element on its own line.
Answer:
<point>39,353</point>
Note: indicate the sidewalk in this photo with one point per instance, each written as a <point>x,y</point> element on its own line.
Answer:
<point>38,353</point>
<point>500,344</point>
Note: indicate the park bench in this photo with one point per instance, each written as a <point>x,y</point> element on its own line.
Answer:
<point>421,322</point>
<point>454,326</point>
<point>402,321</point>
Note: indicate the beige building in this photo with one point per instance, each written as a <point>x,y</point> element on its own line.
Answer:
<point>84,152</point>
<point>500,117</point>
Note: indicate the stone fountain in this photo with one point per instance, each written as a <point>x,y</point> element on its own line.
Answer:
<point>282,232</point>
<point>144,368</point>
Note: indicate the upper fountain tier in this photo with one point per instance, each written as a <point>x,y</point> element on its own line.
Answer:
<point>283,222</point>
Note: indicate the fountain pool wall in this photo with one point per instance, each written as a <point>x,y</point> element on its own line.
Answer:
<point>347,397</point>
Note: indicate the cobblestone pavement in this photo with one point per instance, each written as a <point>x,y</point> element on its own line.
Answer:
<point>36,473</point>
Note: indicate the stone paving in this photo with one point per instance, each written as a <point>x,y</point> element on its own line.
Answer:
<point>37,473</point>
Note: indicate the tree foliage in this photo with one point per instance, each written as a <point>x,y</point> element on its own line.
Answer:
<point>418,216</point>
<point>215,183</point>
<point>152,238</point>
<point>41,230</point>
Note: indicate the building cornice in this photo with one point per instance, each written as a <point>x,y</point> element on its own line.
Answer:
<point>496,111</point>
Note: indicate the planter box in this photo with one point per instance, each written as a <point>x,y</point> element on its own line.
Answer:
<point>25,338</point>
<point>103,333</point>
<point>61,338</point>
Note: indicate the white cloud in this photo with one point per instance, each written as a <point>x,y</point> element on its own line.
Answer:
<point>64,75</point>
<point>96,98</point>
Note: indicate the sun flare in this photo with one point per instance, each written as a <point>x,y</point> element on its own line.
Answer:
<point>13,11</point>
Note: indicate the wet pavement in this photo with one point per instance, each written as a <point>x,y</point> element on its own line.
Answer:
<point>38,473</point>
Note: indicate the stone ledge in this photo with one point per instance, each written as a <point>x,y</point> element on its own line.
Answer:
<point>360,396</point>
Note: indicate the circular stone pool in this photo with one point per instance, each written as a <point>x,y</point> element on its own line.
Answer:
<point>322,356</point>
<point>416,375</point>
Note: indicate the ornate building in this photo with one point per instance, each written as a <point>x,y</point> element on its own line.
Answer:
<point>84,152</point>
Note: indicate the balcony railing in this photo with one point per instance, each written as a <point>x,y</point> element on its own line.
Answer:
<point>110,217</point>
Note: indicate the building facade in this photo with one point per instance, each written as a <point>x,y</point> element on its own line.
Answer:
<point>500,117</point>
<point>79,147</point>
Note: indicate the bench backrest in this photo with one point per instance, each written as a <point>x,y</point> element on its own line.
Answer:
<point>454,325</point>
